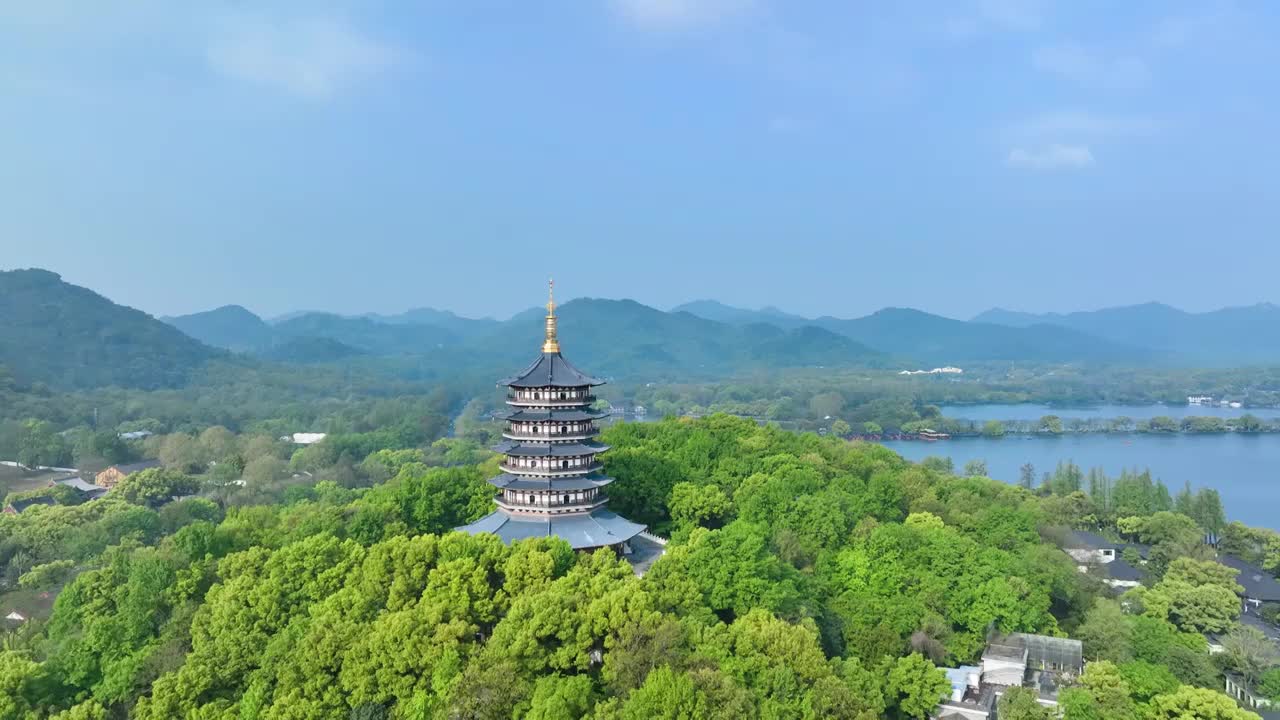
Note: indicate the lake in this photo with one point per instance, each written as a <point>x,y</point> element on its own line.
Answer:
<point>1137,412</point>
<point>1245,469</point>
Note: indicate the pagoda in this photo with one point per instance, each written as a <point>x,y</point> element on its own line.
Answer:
<point>552,484</point>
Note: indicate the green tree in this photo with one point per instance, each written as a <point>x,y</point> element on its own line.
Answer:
<point>1249,423</point>
<point>1107,632</point>
<point>993,428</point>
<point>1019,703</point>
<point>915,686</point>
<point>1269,684</point>
<point>1207,510</point>
<point>666,695</point>
<point>181,452</point>
<point>840,428</point>
<point>1109,691</point>
<point>558,697</point>
<point>154,487</point>
<point>40,444</point>
<point>1050,424</point>
<point>699,505</point>
<point>939,464</point>
<point>1187,702</point>
<point>263,471</point>
<point>828,404</point>
<point>1194,595</point>
<point>1027,476</point>
<point>872,428</point>
<point>217,443</point>
<point>17,675</point>
<point>1249,652</point>
<point>48,575</point>
<point>1147,679</point>
<point>975,468</point>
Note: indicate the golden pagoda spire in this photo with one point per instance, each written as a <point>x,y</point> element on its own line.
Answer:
<point>551,345</point>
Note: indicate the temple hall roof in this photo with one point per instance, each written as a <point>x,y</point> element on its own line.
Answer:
<point>550,369</point>
<point>581,530</point>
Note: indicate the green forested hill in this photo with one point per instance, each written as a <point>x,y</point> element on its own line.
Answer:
<point>69,337</point>
<point>1234,335</point>
<point>626,338</point>
<point>230,326</point>
<point>935,340</point>
<point>806,578</point>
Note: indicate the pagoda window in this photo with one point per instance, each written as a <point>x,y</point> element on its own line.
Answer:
<point>564,429</point>
<point>562,396</point>
<point>537,396</point>
<point>535,429</point>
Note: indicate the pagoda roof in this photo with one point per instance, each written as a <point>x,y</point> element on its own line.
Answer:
<point>550,369</point>
<point>599,528</point>
<point>558,415</point>
<point>523,449</point>
<point>517,482</point>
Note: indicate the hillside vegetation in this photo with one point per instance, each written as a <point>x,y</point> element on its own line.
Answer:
<point>806,578</point>
<point>66,336</point>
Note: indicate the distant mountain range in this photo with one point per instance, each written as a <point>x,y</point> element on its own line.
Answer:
<point>1231,336</point>
<point>936,340</point>
<point>705,335</point>
<point>621,336</point>
<point>66,336</point>
<point>69,337</point>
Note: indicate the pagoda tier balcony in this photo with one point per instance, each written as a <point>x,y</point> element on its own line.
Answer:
<point>552,510</point>
<point>583,501</point>
<point>578,394</point>
<point>526,400</point>
<point>545,470</point>
<point>550,433</point>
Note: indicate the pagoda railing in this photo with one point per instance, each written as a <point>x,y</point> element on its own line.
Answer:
<point>527,401</point>
<point>584,506</point>
<point>550,437</point>
<point>551,472</point>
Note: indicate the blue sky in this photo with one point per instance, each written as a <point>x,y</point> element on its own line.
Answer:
<point>825,157</point>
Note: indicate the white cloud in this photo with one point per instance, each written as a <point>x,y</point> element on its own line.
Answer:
<point>312,58</point>
<point>1091,68</point>
<point>1051,157</point>
<point>680,14</point>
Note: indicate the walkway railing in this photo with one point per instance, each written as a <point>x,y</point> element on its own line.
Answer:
<point>652,538</point>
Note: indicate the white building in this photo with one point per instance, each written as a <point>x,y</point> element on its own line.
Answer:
<point>305,438</point>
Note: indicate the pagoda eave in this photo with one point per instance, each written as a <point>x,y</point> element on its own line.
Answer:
<point>599,528</point>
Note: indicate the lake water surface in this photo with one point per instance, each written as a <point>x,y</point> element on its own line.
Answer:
<point>1137,412</point>
<point>1245,469</point>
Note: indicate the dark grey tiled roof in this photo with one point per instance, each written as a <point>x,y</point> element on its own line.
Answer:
<point>581,530</point>
<point>515,482</point>
<point>77,483</point>
<point>575,449</point>
<point>557,415</point>
<point>1250,617</point>
<point>1258,583</point>
<point>551,370</point>
<point>1118,569</point>
<point>20,505</point>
